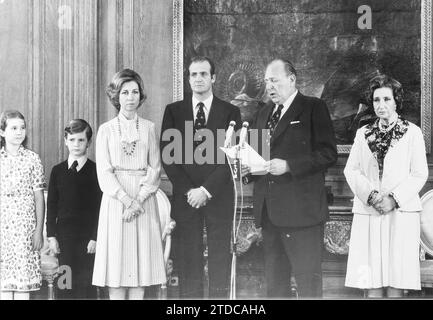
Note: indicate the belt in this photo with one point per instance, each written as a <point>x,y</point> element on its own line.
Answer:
<point>130,172</point>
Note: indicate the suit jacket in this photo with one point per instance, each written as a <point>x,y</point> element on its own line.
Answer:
<point>216,178</point>
<point>73,202</point>
<point>304,137</point>
<point>405,171</point>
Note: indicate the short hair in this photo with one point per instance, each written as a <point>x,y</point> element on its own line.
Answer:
<point>384,81</point>
<point>4,117</point>
<point>288,66</point>
<point>77,126</point>
<point>202,59</point>
<point>116,84</point>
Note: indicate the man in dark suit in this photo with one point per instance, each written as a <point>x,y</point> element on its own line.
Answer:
<point>202,192</point>
<point>290,203</point>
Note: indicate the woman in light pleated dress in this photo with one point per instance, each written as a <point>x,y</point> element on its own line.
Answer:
<point>129,253</point>
<point>386,169</point>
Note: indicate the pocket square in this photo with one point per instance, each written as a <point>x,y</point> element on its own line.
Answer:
<point>295,122</point>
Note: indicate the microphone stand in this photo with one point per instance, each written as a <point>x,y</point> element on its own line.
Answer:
<point>233,241</point>
<point>235,230</point>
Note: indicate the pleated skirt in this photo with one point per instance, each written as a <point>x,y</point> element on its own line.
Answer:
<point>384,251</point>
<point>128,254</point>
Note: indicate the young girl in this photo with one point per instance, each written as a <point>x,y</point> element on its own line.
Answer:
<point>22,210</point>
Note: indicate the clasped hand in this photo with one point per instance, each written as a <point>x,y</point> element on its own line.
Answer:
<point>383,203</point>
<point>197,198</point>
<point>134,210</point>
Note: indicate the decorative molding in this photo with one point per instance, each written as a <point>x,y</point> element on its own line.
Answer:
<point>35,25</point>
<point>65,75</point>
<point>124,34</point>
<point>119,34</point>
<point>78,66</point>
<point>131,32</point>
<point>177,50</point>
<point>128,34</point>
<point>426,71</point>
<point>95,67</point>
<point>336,234</point>
<point>344,148</point>
<point>337,237</point>
<point>247,236</point>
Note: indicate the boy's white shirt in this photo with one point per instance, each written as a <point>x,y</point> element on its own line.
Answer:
<point>81,161</point>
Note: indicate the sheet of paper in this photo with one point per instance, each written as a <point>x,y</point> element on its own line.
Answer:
<point>248,156</point>
<point>251,158</point>
<point>231,152</point>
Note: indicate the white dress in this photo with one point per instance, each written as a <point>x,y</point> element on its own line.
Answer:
<point>384,249</point>
<point>128,254</point>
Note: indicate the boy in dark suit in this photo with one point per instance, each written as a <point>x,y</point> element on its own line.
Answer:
<point>73,204</point>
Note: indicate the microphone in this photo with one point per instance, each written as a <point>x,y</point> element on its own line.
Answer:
<point>229,134</point>
<point>243,134</point>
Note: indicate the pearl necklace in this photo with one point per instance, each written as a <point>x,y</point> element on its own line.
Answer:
<point>128,148</point>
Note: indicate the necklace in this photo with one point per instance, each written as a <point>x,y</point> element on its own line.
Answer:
<point>386,127</point>
<point>128,148</point>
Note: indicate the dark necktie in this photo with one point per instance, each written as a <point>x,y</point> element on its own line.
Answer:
<point>74,166</point>
<point>200,119</point>
<point>200,123</point>
<point>273,120</point>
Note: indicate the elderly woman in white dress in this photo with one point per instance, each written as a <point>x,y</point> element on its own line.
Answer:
<point>129,253</point>
<point>386,169</point>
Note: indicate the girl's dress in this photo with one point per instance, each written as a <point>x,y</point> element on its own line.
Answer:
<point>128,254</point>
<point>20,177</point>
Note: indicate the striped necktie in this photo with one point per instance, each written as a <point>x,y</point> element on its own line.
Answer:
<point>273,120</point>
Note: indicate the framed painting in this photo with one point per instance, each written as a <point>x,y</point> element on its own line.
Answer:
<point>336,46</point>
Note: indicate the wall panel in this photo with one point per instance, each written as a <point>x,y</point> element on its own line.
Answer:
<point>14,59</point>
<point>137,34</point>
<point>48,54</point>
<point>153,54</point>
